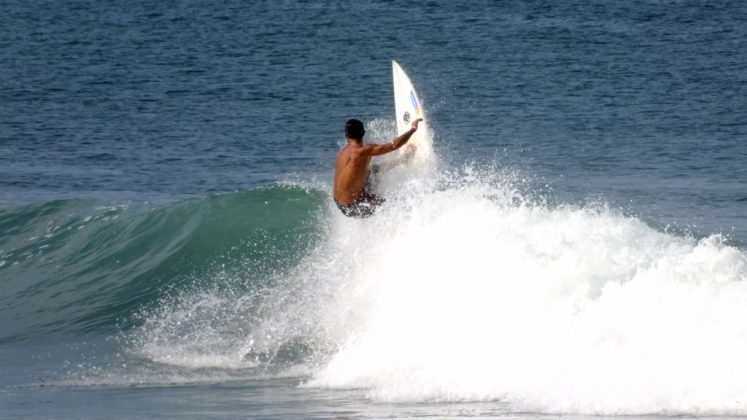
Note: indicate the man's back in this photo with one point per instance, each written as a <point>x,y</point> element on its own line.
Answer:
<point>351,173</point>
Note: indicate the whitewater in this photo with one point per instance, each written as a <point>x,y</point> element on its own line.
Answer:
<point>468,287</point>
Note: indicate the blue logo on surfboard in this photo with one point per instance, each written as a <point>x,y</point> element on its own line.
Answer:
<point>414,102</point>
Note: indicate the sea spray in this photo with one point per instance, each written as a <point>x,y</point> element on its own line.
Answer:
<point>470,293</point>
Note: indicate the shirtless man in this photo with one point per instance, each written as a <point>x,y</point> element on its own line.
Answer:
<point>351,188</point>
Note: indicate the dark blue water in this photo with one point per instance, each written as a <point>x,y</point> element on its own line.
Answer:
<point>153,154</point>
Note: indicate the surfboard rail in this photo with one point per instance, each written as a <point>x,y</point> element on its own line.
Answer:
<point>407,108</point>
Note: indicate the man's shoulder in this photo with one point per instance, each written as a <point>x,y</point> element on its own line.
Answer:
<point>352,149</point>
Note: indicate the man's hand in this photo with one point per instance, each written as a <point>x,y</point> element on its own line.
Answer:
<point>415,124</point>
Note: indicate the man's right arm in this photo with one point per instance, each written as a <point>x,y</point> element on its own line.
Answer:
<point>381,149</point>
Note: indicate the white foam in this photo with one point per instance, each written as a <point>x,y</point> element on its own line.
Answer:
<point>196,330</point>
<point>460,291</point>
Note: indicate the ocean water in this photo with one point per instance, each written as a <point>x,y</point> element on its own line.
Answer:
<point>576,248</point>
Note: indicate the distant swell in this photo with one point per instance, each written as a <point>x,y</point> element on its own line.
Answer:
<point>80,266</point>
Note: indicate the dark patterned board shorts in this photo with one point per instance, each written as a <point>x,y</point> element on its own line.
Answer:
<point>363,206</point>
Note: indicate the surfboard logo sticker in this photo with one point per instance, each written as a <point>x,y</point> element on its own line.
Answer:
<point>406,117</point>
<point>414,102</point>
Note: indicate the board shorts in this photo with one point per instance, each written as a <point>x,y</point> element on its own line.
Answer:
<point>363,206</point>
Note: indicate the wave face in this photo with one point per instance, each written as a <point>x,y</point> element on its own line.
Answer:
<point>75,267</point>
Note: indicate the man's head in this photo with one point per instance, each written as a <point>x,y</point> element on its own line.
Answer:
<point>354,129</point>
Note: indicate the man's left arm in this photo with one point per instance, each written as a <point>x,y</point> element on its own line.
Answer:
<point>382,149</point>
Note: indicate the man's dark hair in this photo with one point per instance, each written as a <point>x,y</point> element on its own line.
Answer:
<point>354,129</point>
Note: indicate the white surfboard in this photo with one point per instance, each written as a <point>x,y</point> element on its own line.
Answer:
<point>408,108</point>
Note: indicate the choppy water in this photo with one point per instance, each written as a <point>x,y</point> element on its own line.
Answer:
<point>168,244</point>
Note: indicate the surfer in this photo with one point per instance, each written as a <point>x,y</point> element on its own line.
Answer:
<point>352,190</point>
